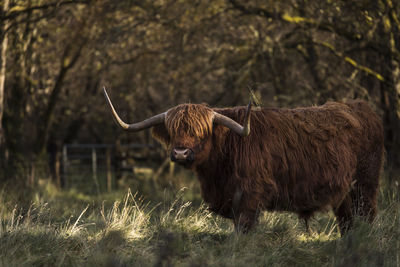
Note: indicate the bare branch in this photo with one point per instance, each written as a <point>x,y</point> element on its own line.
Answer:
<point>351,61</point>
<point>285,17</point>
<point>16,13</point>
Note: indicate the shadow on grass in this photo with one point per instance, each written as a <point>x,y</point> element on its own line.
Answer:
<point>40,247</point>
<point>125,231</point>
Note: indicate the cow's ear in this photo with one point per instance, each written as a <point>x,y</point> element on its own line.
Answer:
<point>160,133</point>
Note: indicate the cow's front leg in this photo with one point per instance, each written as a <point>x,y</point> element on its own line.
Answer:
<point>244,221</point>
<point>245,212</point>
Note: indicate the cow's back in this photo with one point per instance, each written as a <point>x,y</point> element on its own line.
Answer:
<point>300,159</point>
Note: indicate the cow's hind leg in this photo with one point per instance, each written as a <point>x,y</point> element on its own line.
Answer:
<point>344,214</point>
<point>361,201</point>
<point>365,190</point>
<point>364,198</point>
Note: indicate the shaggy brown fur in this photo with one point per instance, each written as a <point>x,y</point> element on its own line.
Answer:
<point>194,120</point>
<point>302,160</point>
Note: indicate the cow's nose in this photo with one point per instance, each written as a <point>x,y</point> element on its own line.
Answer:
<point>182,154</point>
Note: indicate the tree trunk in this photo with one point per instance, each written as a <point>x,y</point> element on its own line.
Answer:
<point>390,96</point>
<point>19,148</point>
<point>47,116</point>
<point>391,120</point>
<point>3,57</point>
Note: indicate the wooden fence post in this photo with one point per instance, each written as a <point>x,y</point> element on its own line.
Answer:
<point>65,163</point>
<point>57,168</point>
<point>109,174</point>
<point>94,170</point>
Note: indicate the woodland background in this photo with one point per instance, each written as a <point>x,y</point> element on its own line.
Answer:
<point>151,55</point>
<point>56,55</point>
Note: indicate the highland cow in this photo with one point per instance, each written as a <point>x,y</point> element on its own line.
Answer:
<point>301,160</point>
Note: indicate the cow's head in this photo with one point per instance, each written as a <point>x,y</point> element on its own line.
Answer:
<point>186,130</point>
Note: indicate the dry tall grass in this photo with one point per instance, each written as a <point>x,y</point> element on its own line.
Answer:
<point>71,229</point>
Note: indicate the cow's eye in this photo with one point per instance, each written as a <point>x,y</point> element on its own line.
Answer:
<point>199,145</point>
<point>203,138</point>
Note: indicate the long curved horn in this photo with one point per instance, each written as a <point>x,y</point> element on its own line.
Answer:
<point>147,123</point>
<point>233,125</point>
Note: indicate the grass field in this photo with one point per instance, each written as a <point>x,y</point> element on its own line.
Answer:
<point>171,227</point>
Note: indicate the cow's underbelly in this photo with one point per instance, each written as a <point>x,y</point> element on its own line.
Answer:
<point>302,198</point>
<point>307,199</point>
<point>223,210</point>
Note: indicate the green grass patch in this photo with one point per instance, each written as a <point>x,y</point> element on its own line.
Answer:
<point>172,227</point>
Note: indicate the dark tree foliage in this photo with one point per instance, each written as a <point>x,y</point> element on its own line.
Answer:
<point>151,55</point>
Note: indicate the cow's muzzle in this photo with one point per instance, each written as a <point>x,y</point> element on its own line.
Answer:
<point>182,155</point>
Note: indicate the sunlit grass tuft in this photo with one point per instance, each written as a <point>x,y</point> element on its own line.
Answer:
<point>130,216</point>
<point>73,229</point>
<point>180,213</point>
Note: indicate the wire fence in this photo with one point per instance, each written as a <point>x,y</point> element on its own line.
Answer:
<point>97,167</point>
